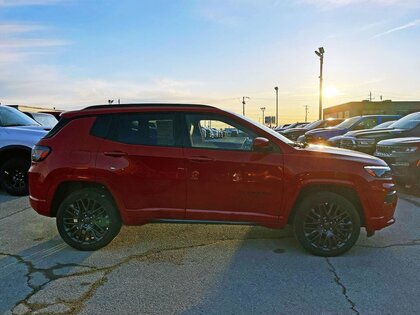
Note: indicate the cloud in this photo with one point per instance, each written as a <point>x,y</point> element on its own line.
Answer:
<point>328,4</point>
<point>399,28</point>
<point>14,3</point>
<point>7,29</point>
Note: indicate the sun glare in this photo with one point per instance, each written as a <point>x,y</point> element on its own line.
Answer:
<point>330,91</point>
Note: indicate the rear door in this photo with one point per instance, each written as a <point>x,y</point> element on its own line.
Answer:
<point>141,157</point>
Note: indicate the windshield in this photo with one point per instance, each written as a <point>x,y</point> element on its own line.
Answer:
<point>266,129</point>
<point>348,123</point>
<point>408,122</point>
<point>46,120</point>
<point>384,125</point>
<point>10,116</point>
<point>313,125</point>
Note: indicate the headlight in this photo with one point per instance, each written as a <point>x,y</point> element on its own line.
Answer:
<point>404,149</point>
<point>365,142</point>
<point>379,171</point>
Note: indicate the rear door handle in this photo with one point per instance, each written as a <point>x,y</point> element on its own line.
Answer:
<point>115,153</point>
<point>201,159</point>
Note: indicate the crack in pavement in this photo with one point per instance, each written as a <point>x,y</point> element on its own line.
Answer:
<point>411,243</point>
<point>75,306</point>
<point>337,280</point>
<point>11,214</point>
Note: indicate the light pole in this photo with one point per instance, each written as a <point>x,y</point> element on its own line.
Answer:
<point>262,110</point>
<point>243,104</point>
<point>320,54</point>
<point>277,105</point>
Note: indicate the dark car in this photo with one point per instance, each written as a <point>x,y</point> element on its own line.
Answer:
<point>294,133</point>
<point>290,126</point>
<point>46,120</point>
<point>104,166</point>
<point>348,139</point>
<point>408,126</point>
<point>322,135</point>
<point>403,156</point>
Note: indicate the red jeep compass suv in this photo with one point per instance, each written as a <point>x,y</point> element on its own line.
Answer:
<point>107,165</point>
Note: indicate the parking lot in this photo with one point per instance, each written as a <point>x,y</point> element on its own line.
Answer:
<point>205,269</point>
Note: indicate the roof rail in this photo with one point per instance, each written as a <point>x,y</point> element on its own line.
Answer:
<point>143,105</point>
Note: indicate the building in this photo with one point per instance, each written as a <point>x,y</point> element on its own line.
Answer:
<point>387,107</point>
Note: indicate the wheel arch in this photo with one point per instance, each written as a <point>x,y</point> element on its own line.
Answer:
<point>67,187</point>
<point>13,151</point>
<point>346,191</point>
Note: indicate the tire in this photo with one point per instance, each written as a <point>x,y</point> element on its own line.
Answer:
<point>326,224</point>
<point>14,176</point>
<point>88,220</point>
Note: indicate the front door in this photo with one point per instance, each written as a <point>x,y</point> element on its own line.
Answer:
<point>226,179</point>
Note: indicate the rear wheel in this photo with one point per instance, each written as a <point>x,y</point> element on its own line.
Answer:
<point>326,224</point>
<point>88,219</point>
<point>14,176</point>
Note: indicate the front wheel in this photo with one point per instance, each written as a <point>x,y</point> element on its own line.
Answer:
<point>88,219</point>
<point>326,224</point>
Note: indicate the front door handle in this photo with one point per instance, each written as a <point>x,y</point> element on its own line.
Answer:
<point>115,153</point>
<point>201,159</point>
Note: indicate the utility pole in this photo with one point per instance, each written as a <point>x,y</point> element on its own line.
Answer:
<point>320,54</point>
<point>243,104</point>
<point>306,113</point>
<point>277,105</point>
<point>262,110</point>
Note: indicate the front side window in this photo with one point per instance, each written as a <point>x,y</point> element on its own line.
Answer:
<point>143,129</point>
<point>220,133</point>
<point>366,124</point>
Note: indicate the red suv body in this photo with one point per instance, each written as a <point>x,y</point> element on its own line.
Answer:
<point>133,164</point>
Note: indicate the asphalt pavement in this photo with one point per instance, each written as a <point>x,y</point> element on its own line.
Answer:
<point>205,269</point>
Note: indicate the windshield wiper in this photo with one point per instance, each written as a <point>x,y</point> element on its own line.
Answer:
<point>17,125</point>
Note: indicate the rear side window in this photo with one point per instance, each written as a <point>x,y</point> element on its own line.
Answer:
<point>143,129</point>
<point>61,123</point>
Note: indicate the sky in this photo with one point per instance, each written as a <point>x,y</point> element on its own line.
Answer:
<point>70,54</point>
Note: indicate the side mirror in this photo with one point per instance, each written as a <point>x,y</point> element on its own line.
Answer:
<point>261,144</point>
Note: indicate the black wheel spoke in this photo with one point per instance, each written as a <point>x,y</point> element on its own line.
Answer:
<point>86,221</point>
<point>328,226</point>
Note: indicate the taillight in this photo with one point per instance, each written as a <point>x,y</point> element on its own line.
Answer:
<point>39,153</point>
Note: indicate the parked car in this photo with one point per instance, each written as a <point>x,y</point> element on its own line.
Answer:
<point>408,126</point>
<point>322,135</point>
<point>295,133</point>
<point>289,126</point>
<point>94,172</point>
<point>403,156</point>
<point>18,134</point>
<point>348,139</point>
<point>46,120</point>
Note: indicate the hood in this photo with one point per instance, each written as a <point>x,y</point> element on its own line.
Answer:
<point>401,141</point>
<point>24,135</point>
<point>326,133</point>
<point>345,154</point>
<point>380,133</point>
<point>35,128</point>
<point>357,132</point>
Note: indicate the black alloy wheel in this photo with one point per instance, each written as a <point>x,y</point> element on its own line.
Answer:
<point>88,220</point>
<point>14,176</point>
<point>327,224</point>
